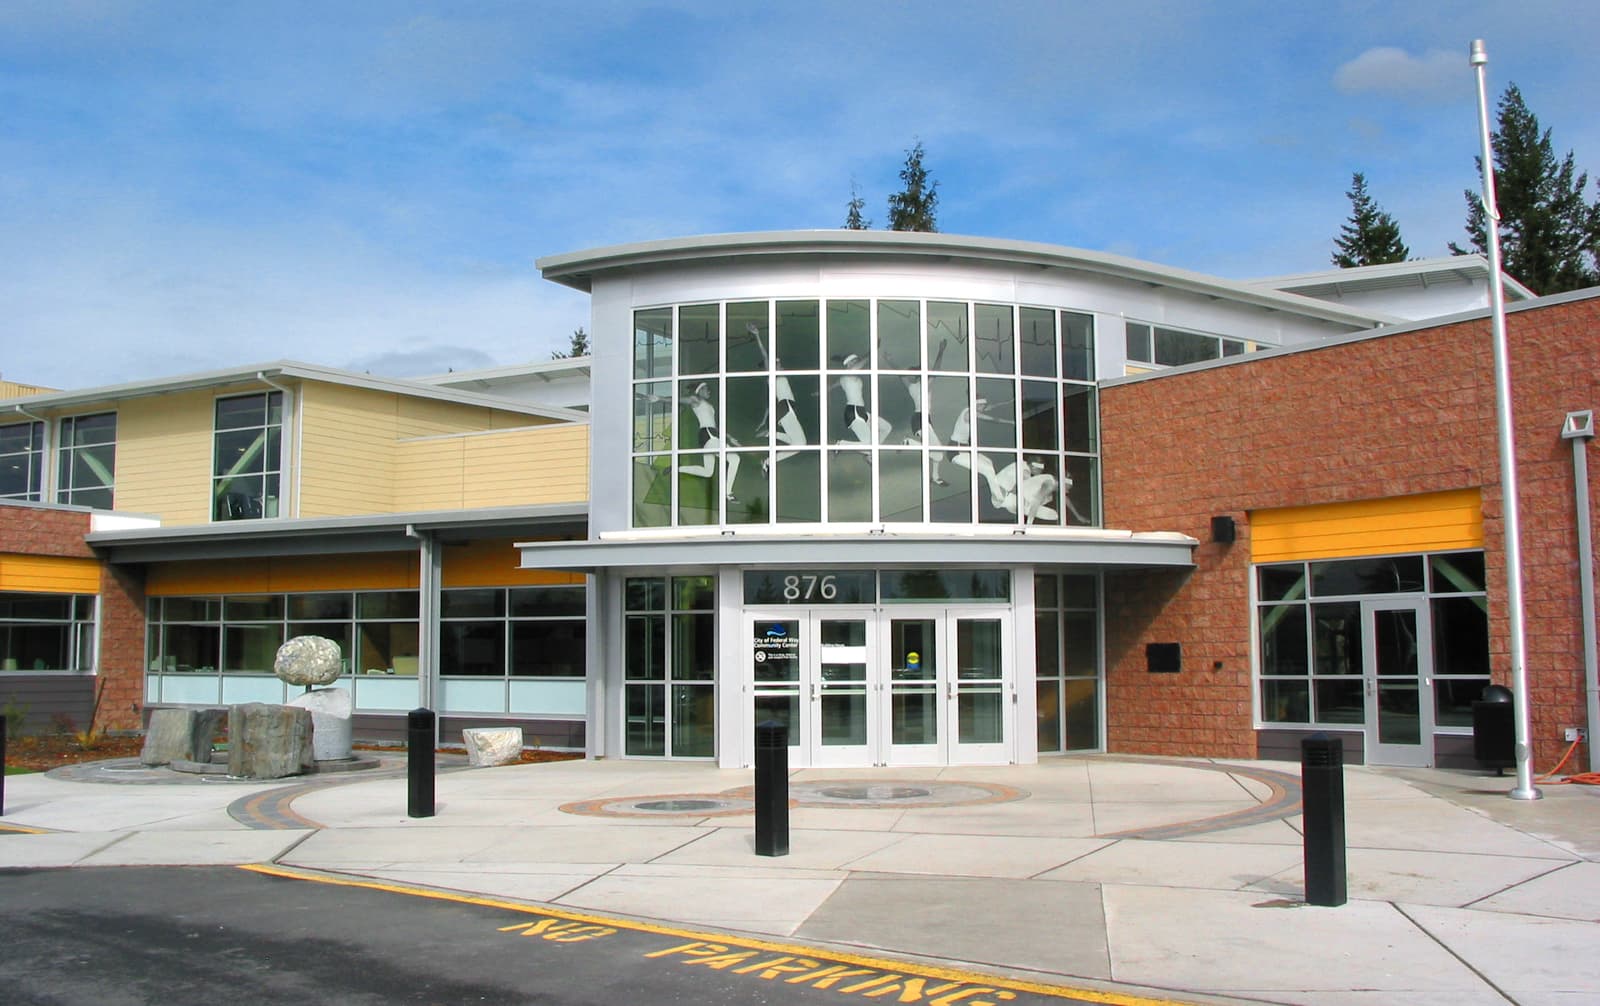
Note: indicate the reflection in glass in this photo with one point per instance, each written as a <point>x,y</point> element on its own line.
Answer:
<point>849,324</point>
<point>914,715</point>
<point>799,336</point>
<point>1393,575</point>
<point>996,413</point>
<point>1080,697</point>
<point>1336,638</point>
<point>1077,346</point>
<point>1286,701</point>
<point>1457,572</point>
<point>995,339</point>
<point>694,732</point>
<point>647,720</point>
<point>1399,715</point>
<point>652,491</point>
<point>798,488</point>
<point>1047,699</point>
<point>1341,700</point>
<point>899,335</point>
<point>980,715</point>
<point>948,339</point>
<point>1037,331</point>
<point>652,343</point>
<point>1283,640</point>
<point>900,488</point>
<point>745,347</point>
<point>699,339</point>
<point>1079,419</point>
<point>849,486</point>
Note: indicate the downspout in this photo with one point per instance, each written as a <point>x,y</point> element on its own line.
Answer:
<point>290,443</point>
<point>427,622</point>
<point>1579,428</point>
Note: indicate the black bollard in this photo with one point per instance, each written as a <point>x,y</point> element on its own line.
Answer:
<point>1322,797</point>
<point>419,763</point>
<point>772,789</point>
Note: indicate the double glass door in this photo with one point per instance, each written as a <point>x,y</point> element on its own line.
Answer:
<point>898,687</point>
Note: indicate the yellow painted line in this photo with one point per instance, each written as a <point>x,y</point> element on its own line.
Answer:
<point>20,830</point>
<point>755,943</point>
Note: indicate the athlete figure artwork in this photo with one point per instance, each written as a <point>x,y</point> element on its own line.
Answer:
<point>710,438</point>
<point>961,438</point>
<point>858,419</point>
<point>1033,497</point>
<point>782,421</point>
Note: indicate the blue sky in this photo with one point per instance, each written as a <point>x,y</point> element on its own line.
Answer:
<point>190,185</point>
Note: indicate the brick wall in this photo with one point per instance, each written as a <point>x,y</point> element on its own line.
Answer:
<point>39,530</point>
<point>1388,416</point>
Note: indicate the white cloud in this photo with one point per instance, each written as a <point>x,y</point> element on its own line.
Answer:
<point>1388,70</point>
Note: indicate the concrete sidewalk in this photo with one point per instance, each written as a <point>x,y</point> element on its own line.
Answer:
<point>1178,876</point>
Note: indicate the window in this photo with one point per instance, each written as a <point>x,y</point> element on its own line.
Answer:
<point>1170,347</point>
<point>523,632</point>
<point>46,632</point>
<point>88,460</point>
<point>1067,661</point>
<point>248,456</point>
<point>1311,635</point>
<point>670,653</point>
<point>21,461</point>
<point>863,411</point>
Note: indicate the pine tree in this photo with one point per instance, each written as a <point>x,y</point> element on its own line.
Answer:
<point>1549,234</point>
<point>912,208</point>
<point>1370,236</point>
<point>853,220</point>
<point>579,347</point>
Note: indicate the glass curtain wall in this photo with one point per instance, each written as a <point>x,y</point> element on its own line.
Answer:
<point>863,411</point>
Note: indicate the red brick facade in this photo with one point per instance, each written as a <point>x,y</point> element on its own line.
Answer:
<point>1386,416</point>
<point>50,531</point>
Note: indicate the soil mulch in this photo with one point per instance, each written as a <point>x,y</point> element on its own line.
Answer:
<point>42,752</point>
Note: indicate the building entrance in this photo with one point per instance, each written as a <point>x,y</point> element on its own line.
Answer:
<point>904,686</point>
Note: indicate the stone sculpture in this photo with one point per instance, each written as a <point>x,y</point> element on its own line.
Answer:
<point>311,661</point>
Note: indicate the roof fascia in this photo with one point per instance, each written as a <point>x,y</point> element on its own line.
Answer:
<point>577,269</point>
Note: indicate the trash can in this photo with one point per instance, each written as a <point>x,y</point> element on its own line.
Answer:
<point>1494,731</point>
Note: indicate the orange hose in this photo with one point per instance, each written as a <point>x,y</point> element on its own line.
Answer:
<point>1581,778</point>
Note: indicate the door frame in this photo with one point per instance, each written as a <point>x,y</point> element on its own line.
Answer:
<point>1378,752</point>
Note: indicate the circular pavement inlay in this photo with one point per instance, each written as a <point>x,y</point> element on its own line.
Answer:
<point>681,806</point>
<point>875,792</point>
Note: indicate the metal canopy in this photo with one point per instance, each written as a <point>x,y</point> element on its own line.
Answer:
<point>1089,548</point>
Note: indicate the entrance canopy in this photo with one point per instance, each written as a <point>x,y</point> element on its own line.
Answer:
<point>963,547</point>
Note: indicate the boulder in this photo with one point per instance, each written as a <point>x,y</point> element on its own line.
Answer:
<point>180,735</point>
<point>330,721</point>
<point>308,660</point>
<point>269,742</point>
<point>488,746</point>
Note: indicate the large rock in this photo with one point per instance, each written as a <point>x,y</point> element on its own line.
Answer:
<point>269,742</point>
<point>180,735</point>
<point>308,660</point>
<point>492,745</point>
<point>330,721</point>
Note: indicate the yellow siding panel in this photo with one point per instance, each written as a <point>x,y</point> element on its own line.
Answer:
<point>544,464</point>
<point>366,571</point>
<point>49,574</point>
<point>1428,522</point>
<point>347,450</point>
<point>164,446</point>
<point>493,563</point>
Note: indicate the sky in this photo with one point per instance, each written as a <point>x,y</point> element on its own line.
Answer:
<point>193,185</point>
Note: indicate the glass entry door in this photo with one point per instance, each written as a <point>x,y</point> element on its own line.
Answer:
<point>896,687</point>
<point>1397,671</point>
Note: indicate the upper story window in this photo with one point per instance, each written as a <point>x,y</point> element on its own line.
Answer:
<point>1170,347</point>
<point>86,474</point>
<point>248,463</point>
<point>863,411</point>
<point>22,461</point>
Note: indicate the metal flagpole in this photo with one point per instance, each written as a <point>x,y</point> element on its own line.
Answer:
<point>1525,789</point>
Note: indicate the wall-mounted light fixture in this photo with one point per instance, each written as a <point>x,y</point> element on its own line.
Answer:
<point>1222,530</point>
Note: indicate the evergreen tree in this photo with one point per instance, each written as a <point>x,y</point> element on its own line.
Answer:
<point>912,208</point>
<point>1549,234</point>
<point>853,220</point>
<point>579,346</point>
<point>1370,236</point>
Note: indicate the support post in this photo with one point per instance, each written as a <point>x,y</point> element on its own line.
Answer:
<point>419,763</point>
<point>1322,797</point>
<point>2,766</point>
<point>772,789</point>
